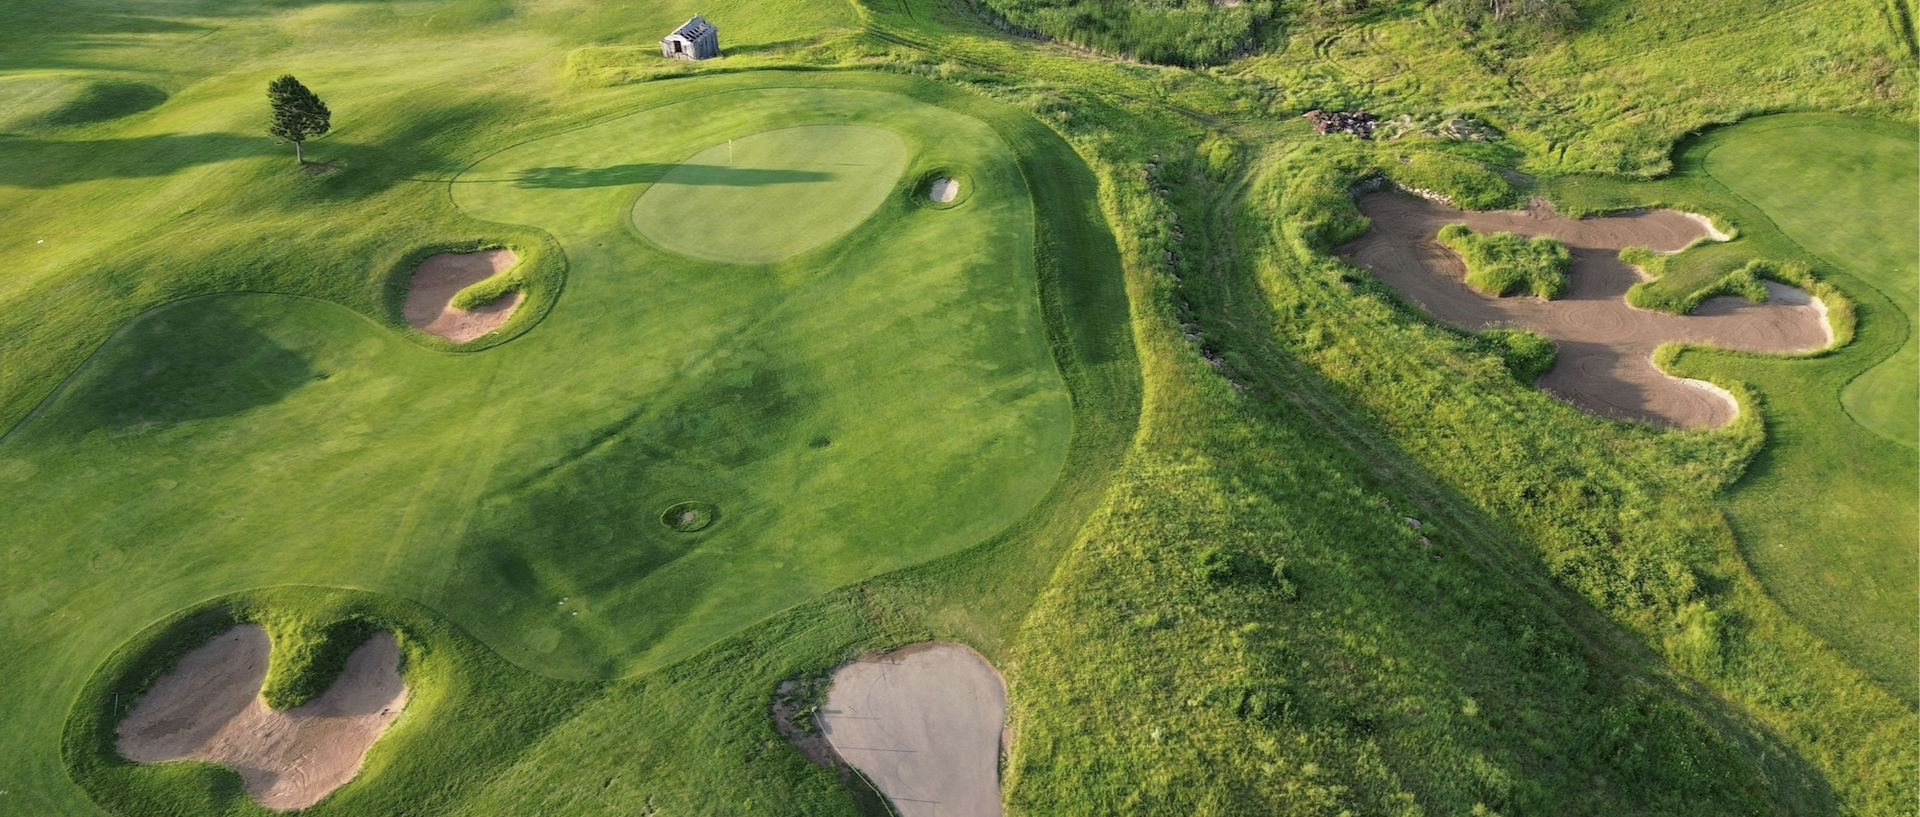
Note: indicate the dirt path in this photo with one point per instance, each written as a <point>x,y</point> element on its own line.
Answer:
<point>209,708</point>
<point>1605,362</point>
<point>430,294</point>
<point>924,724</point>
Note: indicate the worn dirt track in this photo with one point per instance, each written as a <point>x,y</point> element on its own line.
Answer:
<point>923,723</point>
<point>429,305</point>
<point>209,708</point>
<point>1605,362</point>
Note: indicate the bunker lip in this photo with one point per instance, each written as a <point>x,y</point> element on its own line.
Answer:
<point>924,723</point>
<point>429,306</point>
<point>944,190</point>
<point>1605,346</point>
<point>208,708</point>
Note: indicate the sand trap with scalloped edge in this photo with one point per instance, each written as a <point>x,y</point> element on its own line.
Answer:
<point>430,294</point>
<point>944,190</point>
<point>209,708</point>
<point>1605,346</point>
<point>925,723</point>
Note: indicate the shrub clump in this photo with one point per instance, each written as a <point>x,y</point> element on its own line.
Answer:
<point>1503,263</point>
<point>1528,355</point>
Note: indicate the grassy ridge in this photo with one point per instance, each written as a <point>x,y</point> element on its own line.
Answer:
<point>1167,670</point>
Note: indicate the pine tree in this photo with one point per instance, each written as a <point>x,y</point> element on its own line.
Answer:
<point>297,114</point>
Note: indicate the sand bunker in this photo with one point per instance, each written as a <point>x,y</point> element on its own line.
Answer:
<point>924,724</point>
<point>209,708</point>
<point>430,295</point>
<point>944,190</point>
<point>1605,362</point>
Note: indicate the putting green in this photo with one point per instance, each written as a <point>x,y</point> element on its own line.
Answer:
<point>1845,192</point>
<point>764,197</point>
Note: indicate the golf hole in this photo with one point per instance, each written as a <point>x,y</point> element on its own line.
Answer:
<point>689,517</point>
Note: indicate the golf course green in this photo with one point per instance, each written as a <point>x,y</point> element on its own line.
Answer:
<point>1843,189</point>
<point>770,195</point>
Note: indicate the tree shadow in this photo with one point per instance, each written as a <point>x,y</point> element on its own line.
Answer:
<point>45,163</point>
<point>198,360</point>
<point>649,172</point>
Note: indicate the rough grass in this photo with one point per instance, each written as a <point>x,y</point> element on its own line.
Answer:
<point>1504,263</point>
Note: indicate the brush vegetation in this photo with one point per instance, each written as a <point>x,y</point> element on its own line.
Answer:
<point>1504,263</point>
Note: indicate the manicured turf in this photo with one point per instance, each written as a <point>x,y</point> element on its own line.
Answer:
<point>756,198</point>
<point>856,411</point>
<point>1846,194</point>
<point>884,400</point>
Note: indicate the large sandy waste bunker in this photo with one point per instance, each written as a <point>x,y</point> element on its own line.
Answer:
<point>924,723</point>
<point>1605,362</point>
<point>429,305</point>
<point>209,708</point>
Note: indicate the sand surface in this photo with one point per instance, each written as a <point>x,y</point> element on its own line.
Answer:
<point>944,190</point>
<point>430,294</point>
<point>209,708</point>
<point>1605,362</point>
<point>924,724</point>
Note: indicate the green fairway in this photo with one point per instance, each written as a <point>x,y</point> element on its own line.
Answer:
<point>887,400</point>
<point>762,197</point>
<point>1845,192</point>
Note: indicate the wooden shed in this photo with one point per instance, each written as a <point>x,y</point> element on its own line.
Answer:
<point>695,39</point>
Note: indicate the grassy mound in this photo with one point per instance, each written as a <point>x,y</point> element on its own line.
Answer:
<point>33,103</point>
<point>1504,263</point>
<point>1528,355</point>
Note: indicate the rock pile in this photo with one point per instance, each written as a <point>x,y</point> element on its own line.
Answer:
<point>1358,123</point>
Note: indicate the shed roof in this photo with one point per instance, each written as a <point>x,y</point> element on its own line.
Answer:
<point>692,28</point>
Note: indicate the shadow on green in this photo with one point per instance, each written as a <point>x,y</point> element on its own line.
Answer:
<point>572,178</point>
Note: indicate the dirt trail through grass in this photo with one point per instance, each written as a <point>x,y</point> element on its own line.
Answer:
<point>1605,362</point>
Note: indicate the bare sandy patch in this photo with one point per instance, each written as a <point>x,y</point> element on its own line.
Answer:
<point>1706,224</point>
<point>209,708</point>
<point>925,724</point>
<point>944,190</point>
<point>1605,361</point>
<point>430,294</point>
